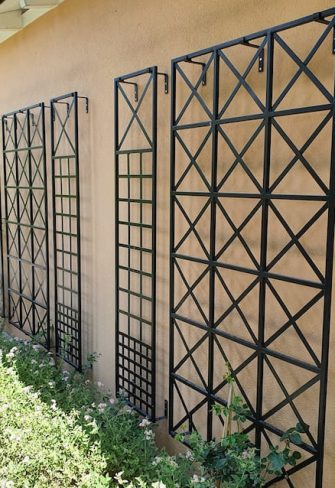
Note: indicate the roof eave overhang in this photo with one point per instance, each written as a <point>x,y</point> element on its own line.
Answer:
<point>13,21</point>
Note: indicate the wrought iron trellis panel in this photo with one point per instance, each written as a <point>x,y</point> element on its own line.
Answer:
<point>216,199</point>
<point>66,226</point>
<point>26,220</point>
<point>135,231</point>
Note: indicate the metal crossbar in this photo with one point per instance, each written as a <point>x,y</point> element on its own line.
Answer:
<point>26,220</point>
<point>135,221</point>
<point>66,226</point>
<point>202,254</point>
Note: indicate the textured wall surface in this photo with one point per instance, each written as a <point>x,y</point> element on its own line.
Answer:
<point>82,45</point>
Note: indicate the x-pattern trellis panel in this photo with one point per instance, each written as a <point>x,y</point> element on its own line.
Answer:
<point>135,185</point>
<point>26,220</point>
<point>252,226</point>
<point>66,227</point>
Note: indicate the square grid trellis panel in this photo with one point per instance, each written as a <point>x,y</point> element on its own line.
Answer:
<point>135,221</point>
<point>26,220</point>
<point>135,191</point>
<point>66,226</point>
<point>252,225</point>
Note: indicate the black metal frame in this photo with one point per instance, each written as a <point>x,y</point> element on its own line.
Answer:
<point>265,197</point>
<point>26,220</point>
<point>136,351</point>
<point>66,226</point>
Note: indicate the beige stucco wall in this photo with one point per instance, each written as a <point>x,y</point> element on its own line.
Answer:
<point>82,45</point>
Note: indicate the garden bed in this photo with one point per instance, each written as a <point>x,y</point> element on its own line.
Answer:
<point>58,429</point>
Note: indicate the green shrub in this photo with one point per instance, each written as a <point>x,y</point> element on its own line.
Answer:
<point>58,429</point>
<point>40,446</point>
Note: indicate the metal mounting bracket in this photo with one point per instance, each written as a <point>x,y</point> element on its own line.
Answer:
<point>86,103</point>
<point>261,54</point>
<point>200,63</point>
<point>165,416</point>
<point>166,82</point>
<point>135,88</point>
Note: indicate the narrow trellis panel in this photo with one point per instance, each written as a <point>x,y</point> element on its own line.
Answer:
<point>66,226</point>
<point>135,221</point>
<point>252,234</point>
<point>26,220</point>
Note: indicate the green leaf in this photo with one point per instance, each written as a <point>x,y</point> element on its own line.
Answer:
<point>296,454</point>
<point>276,460</point>
<point>295,438</point>
<point>301,428</point>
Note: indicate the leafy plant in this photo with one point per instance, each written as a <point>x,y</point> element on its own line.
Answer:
<point>75,434</point>
<point>233,461</point>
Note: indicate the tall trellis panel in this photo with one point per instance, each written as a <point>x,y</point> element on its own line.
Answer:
<point>66,226</point>
<point>26,220</point>
<point>252,234</point>
<point>135,106</point>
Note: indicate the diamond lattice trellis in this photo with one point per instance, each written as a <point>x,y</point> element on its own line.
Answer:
<point>26,214</point>
<point>252,217</point>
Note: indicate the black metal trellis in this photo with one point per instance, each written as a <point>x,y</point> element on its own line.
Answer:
<point>214,201</point>
<point>26,220</point>
<point>66,226</point>
<point>135,221</point>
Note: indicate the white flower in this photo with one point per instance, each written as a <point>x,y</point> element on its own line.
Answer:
<point>119,479</point>
<point>111,401</point>
<point>88,418</point>
<point>26,389</point>
<point>189,456</point>
<point>197,479</point>
<point>13,350</point>
<point>102,407</point>
<point>158,484</point>
<point>87,382</point>
<point>26,459</point>
<point>145,423</point>
<point>156,461</point>
<point>33,361</point>
<point>15,437</point>
<point>99,384</point>
<point>52,362</point>
<point>53,405</point>
<point>148,434</point>
<point>51,384</point>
